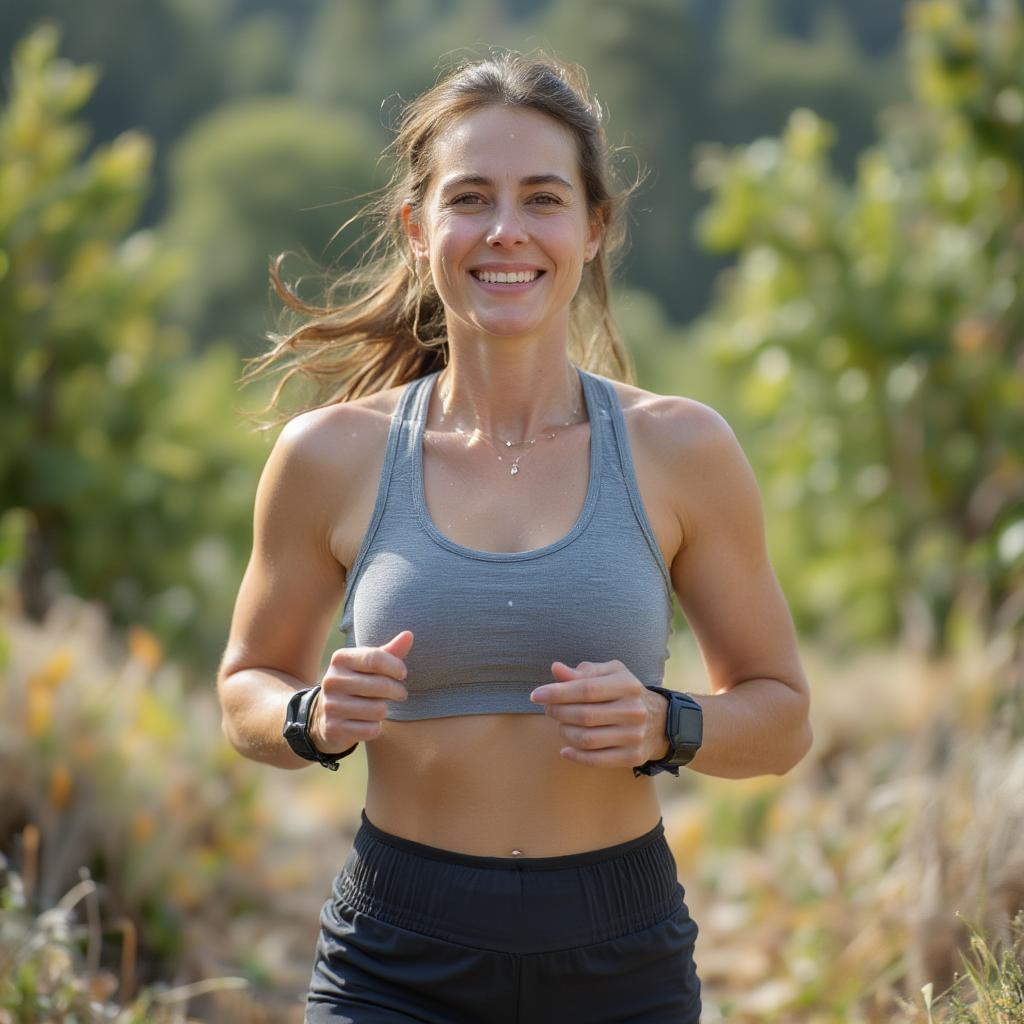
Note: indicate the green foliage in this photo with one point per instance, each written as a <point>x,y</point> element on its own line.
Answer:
<point>124,451</point>
<point>875,335</point>
<point>253,180</point>
<point>994,978</point>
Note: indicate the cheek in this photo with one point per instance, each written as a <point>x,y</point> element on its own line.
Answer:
<point>569,238</point>
<point>450,240</point>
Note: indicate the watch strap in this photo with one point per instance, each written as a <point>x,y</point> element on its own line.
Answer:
<point>298,717</point>
<point>679,754</point>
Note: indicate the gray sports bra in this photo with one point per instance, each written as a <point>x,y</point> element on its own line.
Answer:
<point>488,624</point>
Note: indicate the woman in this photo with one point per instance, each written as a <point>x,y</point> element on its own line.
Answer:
<point>504,530</point>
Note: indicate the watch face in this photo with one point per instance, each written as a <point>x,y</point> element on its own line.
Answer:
<point>686,727</point>
<point>293,729</point>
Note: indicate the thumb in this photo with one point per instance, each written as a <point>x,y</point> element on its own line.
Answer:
<point>400,644</point>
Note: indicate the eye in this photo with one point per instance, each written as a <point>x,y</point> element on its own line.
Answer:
<point>547,200</point>
<point>462,199</point>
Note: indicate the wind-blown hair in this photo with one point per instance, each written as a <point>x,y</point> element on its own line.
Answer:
<point>389,326</point>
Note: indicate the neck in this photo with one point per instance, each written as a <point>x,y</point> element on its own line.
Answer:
<point>511,402</point>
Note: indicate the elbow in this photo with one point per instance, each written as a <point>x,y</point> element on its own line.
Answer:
<point>227,718</point>
<point>798,749</point>
<point>225,728</point>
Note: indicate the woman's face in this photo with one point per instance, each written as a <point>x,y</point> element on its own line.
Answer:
<point>504,225</point>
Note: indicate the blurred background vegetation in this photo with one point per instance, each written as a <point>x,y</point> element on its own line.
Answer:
<point>828,250</point>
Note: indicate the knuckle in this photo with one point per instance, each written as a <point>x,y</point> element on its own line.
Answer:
<point>366,729</point>
<point>387,664</point>
<point>637,712</point>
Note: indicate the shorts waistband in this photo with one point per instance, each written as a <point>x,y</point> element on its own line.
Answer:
<point>512,904</point>
<point>469,860</point>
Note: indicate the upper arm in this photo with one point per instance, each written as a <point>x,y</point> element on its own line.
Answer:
<point>293,583</point>
<point>722,576</point>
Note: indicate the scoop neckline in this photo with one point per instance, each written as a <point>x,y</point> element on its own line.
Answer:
<point>589,502</point>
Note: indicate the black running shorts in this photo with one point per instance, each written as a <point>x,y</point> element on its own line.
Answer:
<point>417,933</point>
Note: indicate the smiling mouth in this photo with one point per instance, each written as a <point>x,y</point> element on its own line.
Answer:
<point>503,277</point>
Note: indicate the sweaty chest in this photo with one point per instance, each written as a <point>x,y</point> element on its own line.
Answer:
<point>472,498</point>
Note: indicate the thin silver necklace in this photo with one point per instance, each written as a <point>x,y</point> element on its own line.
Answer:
<point>547,435</point>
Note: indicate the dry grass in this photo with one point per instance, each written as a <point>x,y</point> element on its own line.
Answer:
<point>833,894</point>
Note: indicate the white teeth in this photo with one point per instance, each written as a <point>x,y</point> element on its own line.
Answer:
<point>500,277</point>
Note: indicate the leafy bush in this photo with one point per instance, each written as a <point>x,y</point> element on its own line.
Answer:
<point>124,449</point>
<point>870,342</point>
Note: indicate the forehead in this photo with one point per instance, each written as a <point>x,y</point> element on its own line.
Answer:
<point>505,142</point>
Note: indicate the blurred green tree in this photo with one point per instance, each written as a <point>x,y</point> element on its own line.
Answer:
<point>123,451</point>
<point>876,336</point>
<point>249,181</point>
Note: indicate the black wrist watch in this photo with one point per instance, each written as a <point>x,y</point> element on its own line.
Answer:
<point>296,729</point>
<point>684,727</point>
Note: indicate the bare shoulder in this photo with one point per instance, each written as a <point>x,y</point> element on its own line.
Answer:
<point>673,420</point>
<point>335,443</point>
<point>687,444</point>
<point>325,468</point>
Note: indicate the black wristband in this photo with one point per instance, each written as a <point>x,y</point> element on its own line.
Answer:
<point>296,729</point>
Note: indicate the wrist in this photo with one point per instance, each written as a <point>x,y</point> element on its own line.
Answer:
<point>314,734</point>
<point>684,730</point>
<point>298,721</point>
<point>658,745</point>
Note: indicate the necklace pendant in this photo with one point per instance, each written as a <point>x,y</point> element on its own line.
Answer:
<point>514,470</point>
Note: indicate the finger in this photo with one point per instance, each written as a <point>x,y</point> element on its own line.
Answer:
<point>400,644</point>
<point>338,735</point>
<point>609,757</point>
<point>600,737</point>
<point>596,713</point>
<point>362,684</point>
<point>346,708</point>
<point>582,689</point>
<point>585,668</point>
<point>370,660</point>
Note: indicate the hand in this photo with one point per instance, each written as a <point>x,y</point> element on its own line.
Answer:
<point>354,690</point>
<point>608,717</point>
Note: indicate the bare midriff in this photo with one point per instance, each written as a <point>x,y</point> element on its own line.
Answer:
<point>491,785</point>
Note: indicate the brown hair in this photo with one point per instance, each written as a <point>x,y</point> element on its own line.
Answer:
<point>390,327</point>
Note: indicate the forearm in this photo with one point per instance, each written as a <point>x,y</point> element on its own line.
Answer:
<point>759,727</point>
<point>253,704</point>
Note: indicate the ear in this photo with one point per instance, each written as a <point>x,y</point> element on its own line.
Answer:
<point>414,231</point>
<point>595,237</point>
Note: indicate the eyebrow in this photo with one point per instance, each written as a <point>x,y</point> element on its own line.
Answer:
<point>479,179</point>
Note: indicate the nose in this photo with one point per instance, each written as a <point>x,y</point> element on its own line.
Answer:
<point>507,227</point>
